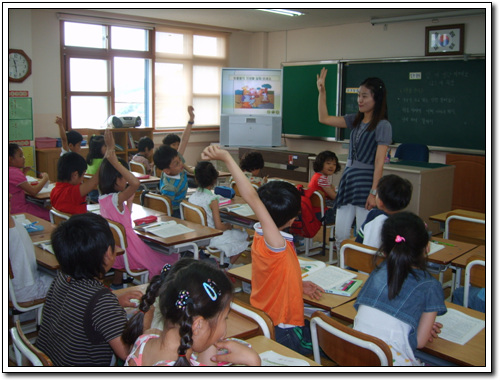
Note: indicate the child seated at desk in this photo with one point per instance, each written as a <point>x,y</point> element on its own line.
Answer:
<point>29,283</point>
<point>145,152</point>
<point>251,164</point>
<point>71,141</point>
<point>195,305</point>
<point>325,165</point>
<point>400,300</point>
<point>393,195</point>
<point>82,320</point>
<point>19,185</point>
<point>173,180</point>
<point>70,193</point>
<point>97,150</point>
<point>277,286</point>
<point>116,202</point>
<point>233,241</point>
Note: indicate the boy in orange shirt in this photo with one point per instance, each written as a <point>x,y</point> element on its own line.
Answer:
<point>277,286</point>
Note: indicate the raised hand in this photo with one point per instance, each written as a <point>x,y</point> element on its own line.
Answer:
<point>320,80</point>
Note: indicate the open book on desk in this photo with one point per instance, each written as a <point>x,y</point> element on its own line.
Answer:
<point>332,279</point>
<point>165,229</point>
<point>271,358</point>
<point>241,209</point>
<point>46,245</point>
<point>459,327</point>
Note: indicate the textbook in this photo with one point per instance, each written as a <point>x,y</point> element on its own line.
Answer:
<point>330,278</point>
<point>166,229</point>
<point>241,209</point>
<point>346,289</point>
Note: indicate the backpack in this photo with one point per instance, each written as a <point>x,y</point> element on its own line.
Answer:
<point>307,224</point>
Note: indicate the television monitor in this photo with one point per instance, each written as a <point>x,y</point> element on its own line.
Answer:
<point>254,92</point>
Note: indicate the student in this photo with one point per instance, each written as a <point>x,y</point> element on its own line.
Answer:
<point>180,144</point>
<point>173,180</point>
<point>325,165</point>
<point>70,193</point>
<point>71,140</point>
<point>29,283</point>
<point>82,320</point>
<point>393,195</point>
<point>145,152</point>
<point>371,134</point>
<point>195,305</point>
<point>277,286</point>
<point>19,185</point>
<point>400,300</point>
<point>116,204</point>
<point>251,164</point>
<point>97,149</point>
<point>233,241</point>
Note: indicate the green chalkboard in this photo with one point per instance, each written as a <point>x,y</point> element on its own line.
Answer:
<point>445,108</point>
<point>300,99</point>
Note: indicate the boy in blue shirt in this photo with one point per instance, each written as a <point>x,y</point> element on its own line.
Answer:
<point>173,180</point>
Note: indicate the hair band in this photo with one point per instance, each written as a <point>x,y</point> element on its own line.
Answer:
<point>211,289</point>
<point>400,239</point>
<point>182,299</point>
<point>182,355</point>
<point>166,268</point>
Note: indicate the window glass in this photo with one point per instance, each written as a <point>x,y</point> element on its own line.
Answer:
<point>205,46</point>
<point>206,80</point>
<point>129,38</point>
<point>207,110</point>
<point>84,35</point>
<point>89,112</point>
<point>170,97</point>
<point>88,74</point>
<point>169,43</point>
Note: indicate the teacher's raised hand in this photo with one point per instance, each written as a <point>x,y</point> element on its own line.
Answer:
<point>320,80</point>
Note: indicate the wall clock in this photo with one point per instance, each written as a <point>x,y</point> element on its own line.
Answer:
<point>19,65</point>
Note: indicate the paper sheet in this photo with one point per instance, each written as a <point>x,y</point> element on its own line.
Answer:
<point>459,327</point>
<point>167,229</point>
<point>434,247</point>
<point>330,277</point>
<point>47,188</point>
<point>271,358</point>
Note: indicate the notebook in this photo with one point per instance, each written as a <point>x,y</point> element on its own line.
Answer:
<point>167,229</point>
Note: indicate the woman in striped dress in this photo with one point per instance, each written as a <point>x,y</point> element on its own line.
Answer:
<point>371,134</point>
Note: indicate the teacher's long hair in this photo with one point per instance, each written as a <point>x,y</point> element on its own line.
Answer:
<point>379,91</point>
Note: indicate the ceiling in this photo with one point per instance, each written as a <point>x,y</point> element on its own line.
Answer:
<point>251,20</point>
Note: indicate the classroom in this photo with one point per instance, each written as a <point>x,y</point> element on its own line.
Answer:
<point>454,177</point>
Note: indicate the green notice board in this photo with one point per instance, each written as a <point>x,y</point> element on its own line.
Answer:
<point>437,103</point>
<point>300,99</point>
<point>20,119</point>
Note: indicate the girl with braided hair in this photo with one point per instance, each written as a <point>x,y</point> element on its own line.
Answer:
<point>194,302</point>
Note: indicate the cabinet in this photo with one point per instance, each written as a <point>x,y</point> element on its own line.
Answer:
<point>46,160</point>
<point>125,139</point>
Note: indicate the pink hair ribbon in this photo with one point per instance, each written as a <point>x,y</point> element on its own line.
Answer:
<point>400,239</point>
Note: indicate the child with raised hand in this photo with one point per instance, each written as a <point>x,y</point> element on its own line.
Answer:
<point>145,152</point>
<point>71,141</point>
<point>95,156</point>
<point>195,305</point>
<point>325,165</point>
<point>233,241</point>
<point>251,164</point>
<point>116,204</point>
<point>19,185</point>
<point>82,320</point>
<point>277,286</point>
<point>400,300</point>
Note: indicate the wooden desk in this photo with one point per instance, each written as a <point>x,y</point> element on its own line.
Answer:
<point>138,211</point>
<point>471,354</point>
<point>262,344</point>
<point>461,262</point>
<point>327,301</point>
<point>449,253</point>
<point>441,217</point>
<point>246,221</point>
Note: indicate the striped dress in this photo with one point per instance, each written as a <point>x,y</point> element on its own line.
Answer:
<point>174,187</point>
<point>79,319</point>
<point>356,181</point>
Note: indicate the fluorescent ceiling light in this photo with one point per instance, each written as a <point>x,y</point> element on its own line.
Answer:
<point>284,12</point>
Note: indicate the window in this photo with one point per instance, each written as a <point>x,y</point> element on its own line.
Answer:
<point>154,74</point>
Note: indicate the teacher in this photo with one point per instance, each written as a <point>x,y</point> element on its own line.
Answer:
<point>371,134</point>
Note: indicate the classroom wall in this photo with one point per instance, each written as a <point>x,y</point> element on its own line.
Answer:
<point>36,31</point>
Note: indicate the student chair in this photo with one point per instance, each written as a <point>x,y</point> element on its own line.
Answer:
<point>137,167</point>
<point>121,240</point>
<point>237,191</point>
<point>156,201</point>
<point>194,213</point>
<point>465,229</point>
<point>412,151</point>
<point>56,217</point>
<point>475,275</point>
<point>22,346</point>
<point>358,256</point>
<point>17,308</point>
<point>318,200</point>
<point>265,323</point>
<point>346,346</point>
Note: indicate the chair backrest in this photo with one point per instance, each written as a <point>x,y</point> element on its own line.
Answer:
<point>36,304</point>
<point>358,256</point>
<point>260,317</point>
<point>193,213</point>
<point>23,346</point>
<point>475,275</point>
<point>56,216</point>
<point>412,151</point>
<point>156,201</point>
<point>137,167</point>
<point>346,346</point>
<point>465,229</point>
<point>318,201</point>
<point>157,171</point>
<point>237,191</point>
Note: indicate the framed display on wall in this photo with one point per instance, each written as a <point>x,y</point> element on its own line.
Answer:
<point>444,40</point>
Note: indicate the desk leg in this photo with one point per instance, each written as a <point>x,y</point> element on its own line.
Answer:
<point>192,245</point>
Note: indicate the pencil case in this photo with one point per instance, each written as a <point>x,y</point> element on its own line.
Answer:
<point>33,227</point>
<point>226,192</point>
<point>145,220</point>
